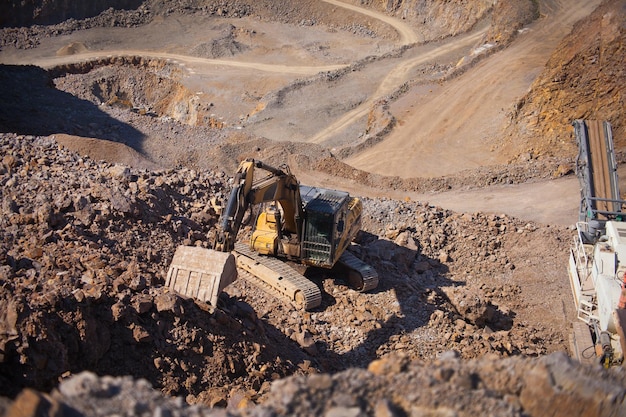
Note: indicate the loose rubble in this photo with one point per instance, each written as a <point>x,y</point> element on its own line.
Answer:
<point>391,386</point>
<point>85,246</point>
<point>471,316</point>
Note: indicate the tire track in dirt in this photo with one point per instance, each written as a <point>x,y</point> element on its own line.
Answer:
<point>196,62</point>
<point>406,33</point>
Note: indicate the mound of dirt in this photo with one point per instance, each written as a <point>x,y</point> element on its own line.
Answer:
<point>224,45</point>
<point>112,152</point>
<point>72,48</point>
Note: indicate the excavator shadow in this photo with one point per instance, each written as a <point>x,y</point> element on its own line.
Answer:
<point>409,293</point>
<point>415,288</point>
<point>335,279</point>
<point>409,285</point>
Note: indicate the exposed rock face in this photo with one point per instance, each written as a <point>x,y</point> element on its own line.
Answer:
<point>150,88</point>
<point>584,79</point>
<point>552,385</point>
<point>441,18</point>
<point>437,18</point>
<point>44,12</point>
<point>509,17</point>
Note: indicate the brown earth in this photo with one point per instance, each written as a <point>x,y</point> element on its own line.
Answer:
<point>417,106</point>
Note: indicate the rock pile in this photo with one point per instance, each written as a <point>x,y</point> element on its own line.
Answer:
<point>85,246</point>
<point>83,251</point>
<point>390,387</point>
<point>458,326</point>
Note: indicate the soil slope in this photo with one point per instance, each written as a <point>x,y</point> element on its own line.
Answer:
<point>584,79</point>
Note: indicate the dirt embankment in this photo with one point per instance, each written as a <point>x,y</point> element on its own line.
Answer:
<point>584,79</point>
<point>438,19</point>
<point>15,13</point>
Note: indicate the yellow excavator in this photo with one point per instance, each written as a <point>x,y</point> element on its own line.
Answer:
<point>308,225</point>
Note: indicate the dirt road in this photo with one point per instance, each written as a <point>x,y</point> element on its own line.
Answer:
<point>392,81</point>
<point>451,128</point>
<point>198,64</point>
<point>406,32</point>
<point>438,132</point>
<point>552,202</point>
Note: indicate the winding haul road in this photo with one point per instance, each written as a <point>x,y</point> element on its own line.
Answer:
<point>394,79</point>
<point>455,127</point>
<point>188,60</point>
<point>406,34</point>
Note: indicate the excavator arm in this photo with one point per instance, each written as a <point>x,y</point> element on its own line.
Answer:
<point>278,186</point>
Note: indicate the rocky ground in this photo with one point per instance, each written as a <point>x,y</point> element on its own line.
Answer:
<point>86,244</point>
<point>389,387</point>
<point>471,316</point>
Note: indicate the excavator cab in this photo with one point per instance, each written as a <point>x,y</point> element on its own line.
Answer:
<point>325,234</point>
<point>323,227</point>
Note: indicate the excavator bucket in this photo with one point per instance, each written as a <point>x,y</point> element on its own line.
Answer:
<point>201,273</point>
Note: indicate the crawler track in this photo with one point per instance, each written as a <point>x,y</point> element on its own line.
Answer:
<point>277,278</point>
<point>361,276</point>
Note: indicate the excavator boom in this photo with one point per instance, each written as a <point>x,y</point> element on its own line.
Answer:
<point>280,186</point>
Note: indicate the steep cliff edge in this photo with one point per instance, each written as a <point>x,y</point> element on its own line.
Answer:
<point>584,79</point>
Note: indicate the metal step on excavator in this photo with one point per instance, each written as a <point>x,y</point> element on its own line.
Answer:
<point>308,225</point>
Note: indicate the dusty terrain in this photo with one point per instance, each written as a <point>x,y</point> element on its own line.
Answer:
<point>117,130</point>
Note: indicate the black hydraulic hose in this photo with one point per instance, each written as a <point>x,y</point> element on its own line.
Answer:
<point>231,209</point>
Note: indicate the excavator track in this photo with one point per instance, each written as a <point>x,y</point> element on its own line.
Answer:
<point>277,278</point>
<point>361,276</point>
